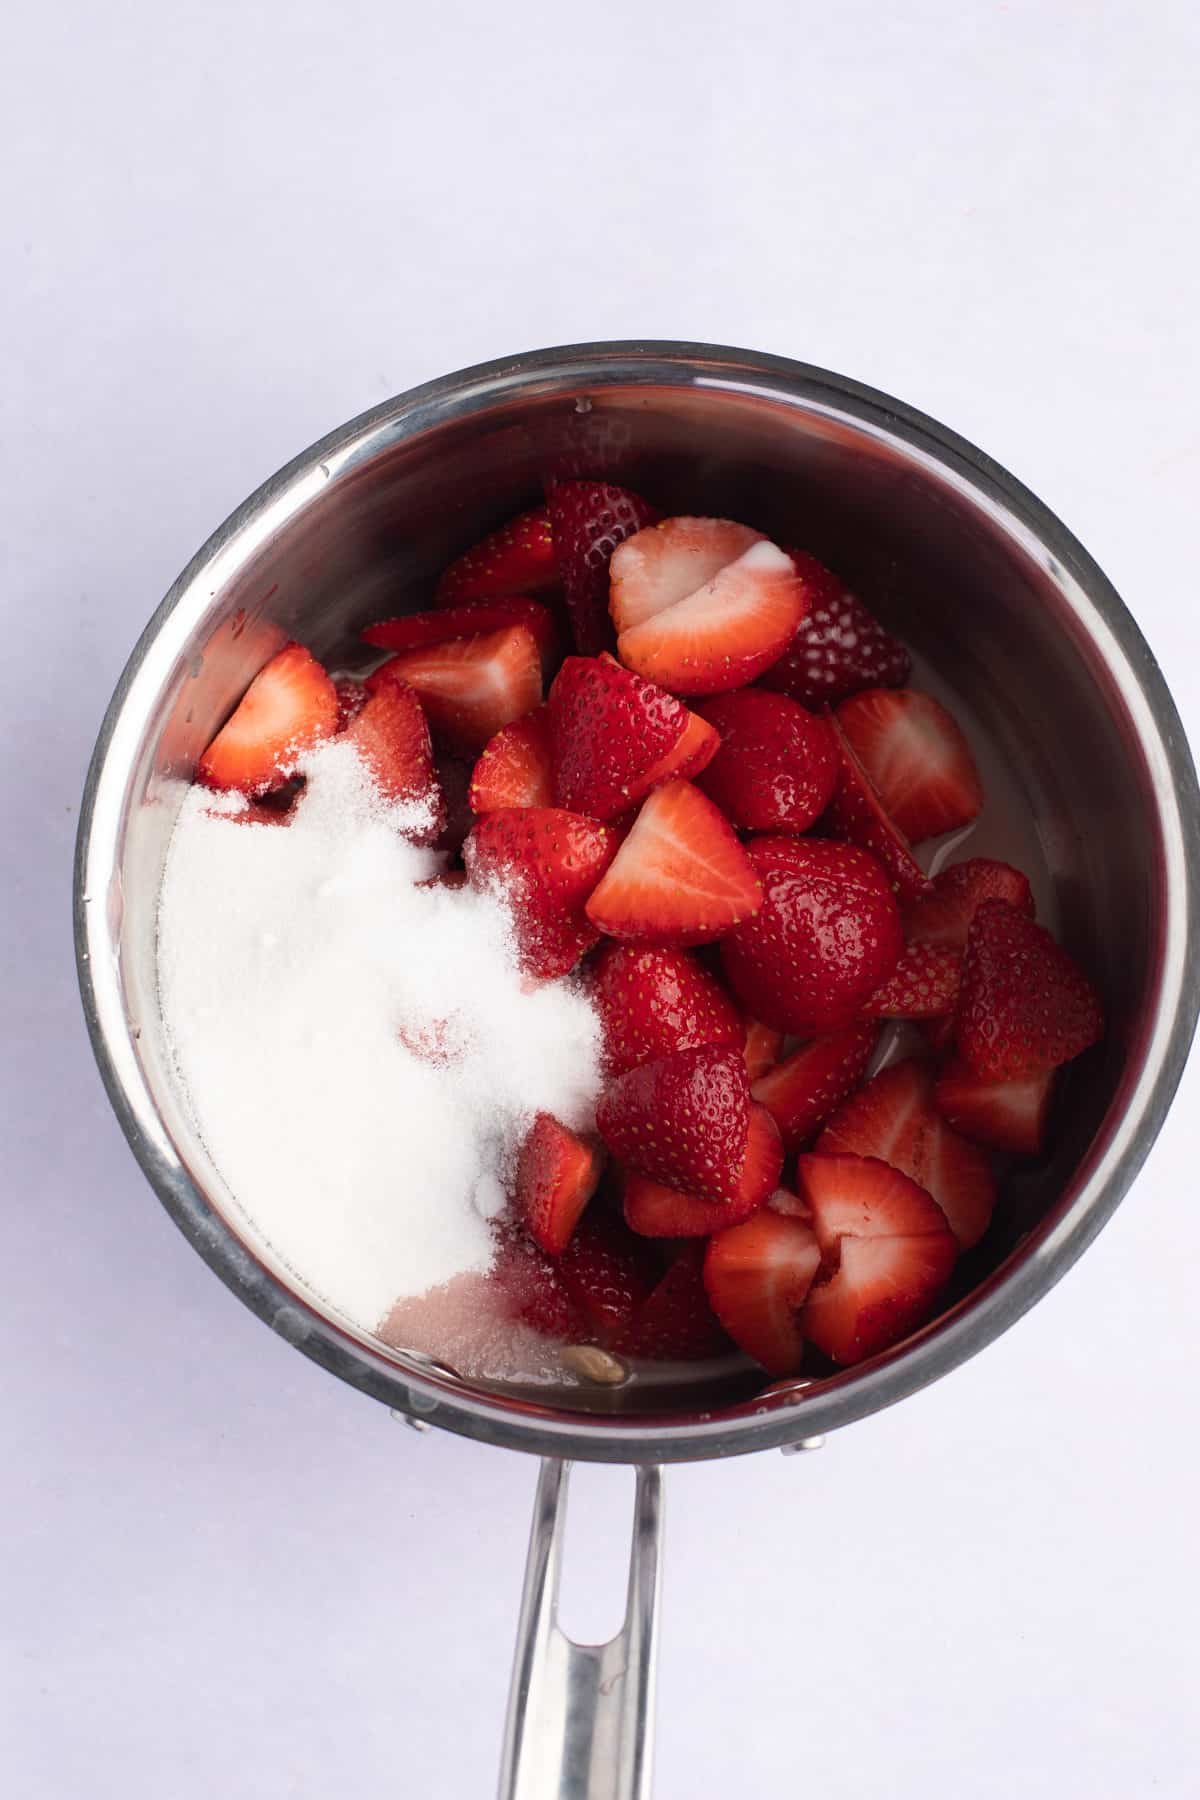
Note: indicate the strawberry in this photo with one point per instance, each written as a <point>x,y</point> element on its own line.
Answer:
<point>534,1289</point>
<point>684,1119</point>
<point>893,1118</point>
<point>1023,1004</point>
<point>675,1322</point>
<point>392,738</point>
<point>761,1049</point>
<point>938,1033</point>
<point>916,758</point>
<point>694,751</point>
<point>923,985</point>
<point>1002,1115</point>
<point>514,767</point>
<point>857,816</point>
<point>516,558</point>
<point>470,687</point>
<point>546,862</point>
<point>658,1211</point>
<point>588,519</point>
<point>757,1277</point>
<point>838,646</point>
<point>290,707</point>
<point>827,936</point>
<point>609,730</point>
<point>777,765</point>
<point>557,1173</point>
<point>609,1273</point>
<point>945,913</point>
<point>415,631</point>
<point>653,1001</point>
<point>886,1255</point>
<point>680,877</point>
<point>351,698</point>
<point>801,1092</point>
<point>717,634</point>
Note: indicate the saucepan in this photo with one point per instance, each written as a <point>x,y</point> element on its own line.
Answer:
<point>956,555</point>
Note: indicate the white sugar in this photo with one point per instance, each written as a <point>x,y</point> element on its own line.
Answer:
<point>360,1053</point>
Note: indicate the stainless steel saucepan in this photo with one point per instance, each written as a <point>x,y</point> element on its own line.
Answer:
<point>975,572</point>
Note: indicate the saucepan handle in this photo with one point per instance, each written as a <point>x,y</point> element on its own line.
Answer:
<point>581,1716</point>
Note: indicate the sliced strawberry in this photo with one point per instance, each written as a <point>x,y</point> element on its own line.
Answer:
<point>534,1289</point>
<point>392,737</point>
<point>557,1173</point>
<point>289,708</point>
<point>777,765</point>
<point>470,687</point>
<point>675,1323</point>
<point>588,519</point>
<point>802,1091</point>
<point>758,1276</point>
<point>838,647</point>
<point>680,877</point>
<point>1024,1004</point>
<point>609,1274</point>
<point>761,1049</point>
<point>416,631</point>
<point>886,1255</point>
<point>923,985</point>
<point>684,1119</point>
<point>828,934</point>
<point>1003,1115</point>
<point>893,1118</point>
<point>514,767</point>
<point>657,1211</point>
<point>516,558</point>
<point>653,1001</point>
<point>667,564</point>
<point>609,730</point>
<point>351,698</point>
<point>857,815</point>
<point>916,758</point>
<point>545,862</point>
<point>944,915</point>
<point>694,751</point>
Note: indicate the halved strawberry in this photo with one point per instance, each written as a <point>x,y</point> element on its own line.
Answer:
<point>718,635</point>
<point>516,558</point>
<point>886,1255</point>
<point>923,985</point>
<point>675,1322</point>
<point>893,1118</point>
<point>758,1276</point>
<point>609,1274</point>
<point>827,935</point>
<point>588,519</point>
<point>944,915</point>
<point>557,1173</point>
<point>694,751</point>
<point>680,877</point>
<point>653,1001</point>
<point>838,648</point>
<point>1003,1115</point>
<point>351,698</point>
<point>657,1211</point>
<point>802,1090</point>
<point>514,767</point>
<point>470,687</point>
<point>545,862</point>
<point>290,707</point>
<point>609,730</point>
<point>1023,1004</point>
<point>684,1119</point>
<point>777,765</point>
<point>856,815</point>
<point>533,1287</point>
<point>415,631</point>
<point>916,758</point>
<point>391,735</point>
<point>761,1049</point>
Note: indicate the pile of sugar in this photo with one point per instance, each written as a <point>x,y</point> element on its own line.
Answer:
<point>360,1053</point>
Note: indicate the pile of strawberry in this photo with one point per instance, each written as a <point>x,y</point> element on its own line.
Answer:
<point>707,818</point>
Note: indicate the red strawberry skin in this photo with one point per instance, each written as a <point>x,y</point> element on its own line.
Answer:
<point>685,1120</point>
<point>944,915</point>
<point>838,647</point>
<point>534,1289</point>
<point>802,1090</point>
<point>827,936</point>
<point>514,767</point>
<point>923,985</point>
<point>415,631</point>
<point>1001,1115</point>
<point>290,707</point>
<point>758,1276</point>
<point>588,519</point>
<point>761,1049</point>
<point>675,1322</point>
<point>777,765</point>
<point>857,815</point>
<point>609,729</point>
<point>1023,1004</point>
<point>391,735</point>
<point>916,757</point>
<point>609,1274</point>
<point>516,558</point>
<point>657,1211</point>
<point>653,1001</point>
<point>546,862</point>
<point>557,1174</point>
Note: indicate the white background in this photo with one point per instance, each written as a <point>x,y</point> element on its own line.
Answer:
<point>225,229</point>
